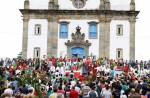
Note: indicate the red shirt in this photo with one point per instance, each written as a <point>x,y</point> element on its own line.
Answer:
<point>73,94</point>
<point>61,91</point>
<point>126,68</point>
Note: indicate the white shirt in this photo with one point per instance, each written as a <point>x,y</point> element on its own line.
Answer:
<point>106,94</point>
<point>8,91</point>
<point>123,96</point>
<point>52,68</point>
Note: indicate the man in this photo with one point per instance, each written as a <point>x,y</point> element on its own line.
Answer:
<point>73,93</point>
<point>54,94</point>
<point>93,93</point>
<point>8,91</point>
<point>134,93</point>
<point>106,93</point>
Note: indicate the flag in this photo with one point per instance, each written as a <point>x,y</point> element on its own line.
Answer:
<point>15,66</point>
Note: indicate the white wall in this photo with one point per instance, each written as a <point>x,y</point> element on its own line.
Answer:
<point>119,41</point>
<point>94,48</point>
<point>37,41</point>
<point>90,4</point>
<point>39,4</point>
<point>120,4</point>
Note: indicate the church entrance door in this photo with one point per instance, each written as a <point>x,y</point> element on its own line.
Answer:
<point>78,52</point>
<point>78,46</point>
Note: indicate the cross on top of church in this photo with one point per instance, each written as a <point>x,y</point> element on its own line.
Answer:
<point>78,28</point>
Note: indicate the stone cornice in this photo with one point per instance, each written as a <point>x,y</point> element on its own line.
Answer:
<point>80,12</point>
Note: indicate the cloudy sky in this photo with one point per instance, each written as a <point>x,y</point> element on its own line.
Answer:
<point>11,29</point>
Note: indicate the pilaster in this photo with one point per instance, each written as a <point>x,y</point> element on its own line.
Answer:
<point>107,37</point>
<point>104,36</point>
<point>25,36</point>
<point>132,21</point>
<point>52,40</point>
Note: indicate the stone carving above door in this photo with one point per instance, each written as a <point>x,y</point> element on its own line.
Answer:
<point>78,39</point>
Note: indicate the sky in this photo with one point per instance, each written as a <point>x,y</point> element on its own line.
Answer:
<point>11,29</point>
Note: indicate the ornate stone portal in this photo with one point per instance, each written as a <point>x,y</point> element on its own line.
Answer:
<point>78,41</point>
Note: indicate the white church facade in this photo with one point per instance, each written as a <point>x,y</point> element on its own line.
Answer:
<point>78,28</point>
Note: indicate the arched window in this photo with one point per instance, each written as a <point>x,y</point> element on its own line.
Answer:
<point>92,30</point>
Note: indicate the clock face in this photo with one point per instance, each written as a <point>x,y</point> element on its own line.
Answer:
<point>78,3</point>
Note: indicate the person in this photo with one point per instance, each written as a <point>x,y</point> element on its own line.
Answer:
<point>116,93</point>
<point>123,95</point>
<point>8,91</point>
<point>73,93</point>
<point>49,92</point>
<point>144,94</point>
<point>5,96</point>
<point>106,93</point>
<point>134,93</point>
<point>148,95</point>
<point>60,92</point>
<point>54,94</point>
<point>93,93</point>
<point>85,89</point>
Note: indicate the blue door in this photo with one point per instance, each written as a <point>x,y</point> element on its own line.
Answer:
<point>78,52</point>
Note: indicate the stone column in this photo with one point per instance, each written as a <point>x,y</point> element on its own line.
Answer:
<point>107,37</point>
<point>132,21</point>
<point>102,37</point>
<point>52,40</point>
<point>25,30</point>
<point>25,36</point>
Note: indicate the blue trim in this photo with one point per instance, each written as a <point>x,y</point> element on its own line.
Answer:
<point>63,30</point>
<point>93,30</point>
<point>78,52</point>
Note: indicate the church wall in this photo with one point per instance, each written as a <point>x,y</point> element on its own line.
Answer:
<point>119,41</point>
<point>39,4</point>
<point>67,4</point>
<point>37,40</point>
<point>120,4</point>
<point>93,49</point>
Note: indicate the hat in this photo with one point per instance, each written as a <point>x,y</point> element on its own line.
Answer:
<point>132,90</point>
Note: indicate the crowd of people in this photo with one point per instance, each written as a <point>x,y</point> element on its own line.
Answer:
<point>74,78</point>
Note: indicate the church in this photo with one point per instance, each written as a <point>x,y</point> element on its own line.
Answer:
<point>79,28</point>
